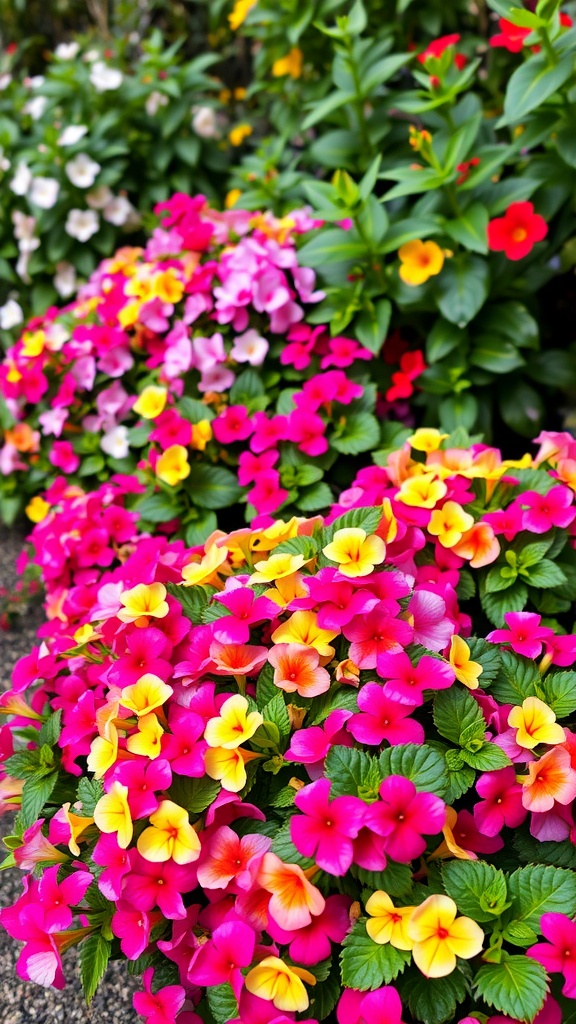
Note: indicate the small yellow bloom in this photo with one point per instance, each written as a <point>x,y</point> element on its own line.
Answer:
<point>228,766</point>
<point>290,64</point>
<point>112,814</point>
<point>206,571</point>
<point>234,725</point>
<point>426,439</point>
<point>128,315</point>
<point>78,825</point>
<point>33,344</point>
<point>103,752</point>
<point>144,601</point>
<point>170,836</point>
<point>281,985</point>
<point>302,628</point>
<point>86,633</point>
<point>356,553</point>
<point>148,740</point>
<point>422,491</point>
<point>151,402</point>
<point>420,261</point>
<point>449,523</point>
<point>277,567</point>
<point>172,466</point>
<point>439,936</point>
<point>146,694</point>
<point>287,589</point>
<point>239,13</point>
<point>37,509</point>
<point>168,287</point>
<point>232,198</point>
<point>449,846</point>
<point>535,723</point>
<point>387,923</point>
<point>465,670</point>
<point>239,133</point>
<point>201,434</point>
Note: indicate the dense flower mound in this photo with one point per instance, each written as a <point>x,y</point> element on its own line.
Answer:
<point>198,361</point>
<point>289,774</point>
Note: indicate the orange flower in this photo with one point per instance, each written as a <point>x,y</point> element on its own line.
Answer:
<point>294,899</point>
<point>549,779</point>
<point>479,545</point>
<point>298,668</point>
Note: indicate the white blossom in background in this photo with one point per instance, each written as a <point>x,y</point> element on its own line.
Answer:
<point>22,180</point>
<point>154,101</point>
<point>34,81</point>
<point>82,224</point>
<point>72,134</point>
<point>90,56</point>
<point>82,171</point>
<point>24,228</point>
<point>204,122</point>
<point>10,315</point>
<point>5,80</point>
<point>250,347</point>
<point>56,334</point>
<point>105,79</point>
<point>118,211</point>
<point>35,107</point>
<point>44,192</point>
<point>5,164</point>
<point>99,197</point>
<point>65,279</point>
<point>115,443</point>
<point>66,51</point>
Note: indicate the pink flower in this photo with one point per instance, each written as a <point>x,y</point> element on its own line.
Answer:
<point>250,466</point>
<point>267,496</point>
<point>183,745</point>
<point>109,855</point>
<point>432,627</point>
<point>502,803</point>
<point>268,431</point>
<point>383,1006</point>
<point>406,682</point>
<point>150,885</point>
<point>402,816</point>
<point>62,456</point>
<point>326,827</point>
<point>307,430</point>
<point>133,928</point>
<point>384,718</point>
<point>221,958</point>
<point>524,633</point>
<point>146,650</point>
<point>170,428</point>
<point>338,600</point>
<point>162,1006</point>
<point>228,858</point>
<point>558,955</point>
<point>311,944</point>
<point>544,511</point>
<point>234,424</point>
<point>310,746</point>
<point>143,778</point>
<point>245,611</point>
<point>375,635</point>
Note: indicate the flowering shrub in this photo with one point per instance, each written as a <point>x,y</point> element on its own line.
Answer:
<point>276,773</point>
<point>192,360</point>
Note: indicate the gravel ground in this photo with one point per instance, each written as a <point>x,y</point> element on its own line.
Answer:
<point>20,1002</point>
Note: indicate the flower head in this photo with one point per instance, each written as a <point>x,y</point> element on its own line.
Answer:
<point>273,980</point>
<point>420,261</point>
<point>517,232</point>
<point>535,723</point>
<point>439,936</point>
<point>355,552</point>
<point>387,923</point>
<point>170,836</point>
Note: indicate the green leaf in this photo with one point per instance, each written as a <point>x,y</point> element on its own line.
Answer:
<point>275,711</point>
<point>407,230</point>
<point>193,600</point>
<point>266,688</point>
<point>372,328</point>
<point>222,1002</point>
<point>517,986</point>
<point>200,528</point>
<point>50,731</point>
<point>159,508</point>
<point>195,795</point>
<point>495,581</point>
<point>458,717</point>
<point>359,432</point>
<point>248,385</point>
<point>367,519</point>
<point>336,697</point>
<point>458,411</point>
<point>89,792</point>
<point>559,692</point>
<point>442,339</point>
<point>532,84</point>
<point>93,954</point>
<point>92,465</point>
<point>35,794</point>
<point>471,228</point>
<point>212,486</point>
<point>496,605</point>
<point>519,678</point>
<point>306,546</point>
<point>352,773</point>
<point>496,354</point>
<point>519,934</point>
<point>488,758</point>
<point>395,879</point>
<point>314,498</point>
<point>194,410</point>
<point>367,965</point>
<point>284,848</point>
<point>462,288</point>
<point>478,889</point>
<point>323,998</point>
<point>541,889</point>
<point>323,109</point>
<point>488,655</point>
<point>422,764</point>
<point>434,1000</point>
<point>546,574</point>
<point>331,246</point>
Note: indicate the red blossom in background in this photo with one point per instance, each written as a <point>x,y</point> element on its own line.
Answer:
<point>517,232</point>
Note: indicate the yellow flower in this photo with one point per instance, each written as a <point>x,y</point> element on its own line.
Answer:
<point>128,315</point>
<point>240,12</point>
<point>273,980</point>
<point>234,725</point>
<point>465,670</point>
<point>78,825</point>
<point>449,846</point>
<point>112,814</point>
<point>172,466</point>
<point>151,402</point>
<point>144,601</point>
<point>420,261</point>
<point>239,133</point>
<point>426,439</point>
<point>170,836</point>
<point>277,567</point>
<point>302,628</point>
<point>146,694</point>
<point>33,344</point>
<point>290,64</point>
<point>168,287</point>
<point>86,633</point>
<point>422,491</point>
<point>287,589</point>
<point>201,434</point>
<point>228,766</point>
<point>232,198</point>
<point>147,741</point>
<point>356,553</point>
<point>103,752</point>
<point>449,523</point>
<point>206,571</point>
<point>37,509</point>
<point>439,936</point>
<point>535,723</point>
<point>387,923</point>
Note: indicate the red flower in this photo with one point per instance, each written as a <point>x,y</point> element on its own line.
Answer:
<point>465,169</point>
<point>517,231</point>
<point>437,46</point>
<point>511,37</point>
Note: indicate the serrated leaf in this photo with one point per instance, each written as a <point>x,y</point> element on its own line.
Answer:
<point>337,697</point>
<point>395,879</point>
<point>422,764</point>
<point>352,773</point>
<point>367,519</point>
<point>195,795</point>
<point>467,882</point>
<point>275,711</point>
<point>518,678</point>
<point>559,692</point>
<point>193,600</point>
<point>89,792</point>
<point>365,964</point>
<point>434,1000</point>
<point>35,794</point>
<point>222,1002</point>
<point>546,574</point>
<point>50,731</point>
<point>496,605</point>
<point>266,688</point>
<point>488,758</point>
<point>284,848</point>
<point>488,655</point>
<point>323,998</point>
<point>540,889</point>
<point>93,954</point>
<point>458,717</point>
<point>517,986</point>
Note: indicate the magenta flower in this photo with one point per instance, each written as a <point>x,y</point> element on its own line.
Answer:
<point>375,635</point>
<point>558,955</point>
<point>245,611</point>
<point>267,495</point>
<point>133,928</point>
<point>143,778</point>
<point>58,897</point>
<point>432,626</point>
<point>268,432</point>
<point>406,682</point>
<point>39,959</point>
<point>307,430</point>
<point>369,850</point>
<point>468,836</point>
<point>150,885</point>
<point>227,858</point>
<point>383,1006</point>
<point>221,958</point>
<point>183,746</point>
<point>148,650</point>
<point>109,855</point>
<point>326,827</point>
<point>403,816</point>
<point>524,633</point>
<point>250,466</point>
<point>170,428</point>
<point>544,511</point>
<point>383,718</point>
<point>502,803</point>
<point>159,1007</point>
<point>311,944</point>
<point>233,424</point>
<point>338,601</point>
<point>310,746</point>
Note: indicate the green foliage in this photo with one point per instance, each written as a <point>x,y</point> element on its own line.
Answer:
<point>478,889</point>
<point>93,953</point>
<point>367,965</point>
<point>516,986</point>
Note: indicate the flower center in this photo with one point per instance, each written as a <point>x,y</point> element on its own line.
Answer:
<point>519,234</point>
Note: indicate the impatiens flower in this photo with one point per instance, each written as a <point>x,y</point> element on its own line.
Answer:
<point>478,545</point>
<point>294,899</point>
<point>326,827</point>
<point>297,668</point>
<point>149,884</point>
<point>501,804</point>
<point>406,682</point>
<point>277,567</point>
<point>517,232</point>
<point>422,491</point>
<point>148,693</point>
<point>172,466</point>
<point>384,717</point>
<point>375,635</point>
<point>404,816</point>
<point>170,836</point>
<point>382,1006</point>
<point>142,602</point>
<point>150,402</point>
<point>272,979</point>
<point>466,671</point>
<point>133,928</point>
<point>220,960</point>
<point>355,552</point>
<point>159,1007</point>
<point>420,261</point>
<point>439,936</point>
<point>147,741</point>
<point>234,724</point>
<point>523,632</point>
<point>387,923</point>
<point>228,766</point>
<point>449,523</point>
<point>545,511</point>
<point>535,723</point>
<point>231,858</point>
<point>558,955</point>
<point>302,628</point>
<point>112,814</point>
<point>311,944</point>
<point>462,839</point>
<point>549,779</point>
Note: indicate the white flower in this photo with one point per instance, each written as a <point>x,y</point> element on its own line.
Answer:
<point>5,81</point>
<point>103,78</point>
<point>5,164</point>
<point>90,56</point>
<point>66,51</point>
<point>99,197</point>
<point>154,101</point>
<point>22,267</point>
<point>56,334</point>
<point>204,122</point>
<point>250,347</point>
<point>72,134</point>
<point>118,211</point>
<point>65,279</point>
<point>44,192</point>
<point>35,107</point>
<point>10,315</point>
<point>115,443</point>
<point>24,226</point>
<point>82,224</point>
<point>22,180</point>
<point>82,171</point>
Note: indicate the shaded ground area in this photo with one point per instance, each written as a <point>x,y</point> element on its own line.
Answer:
<point>22,1003</point>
